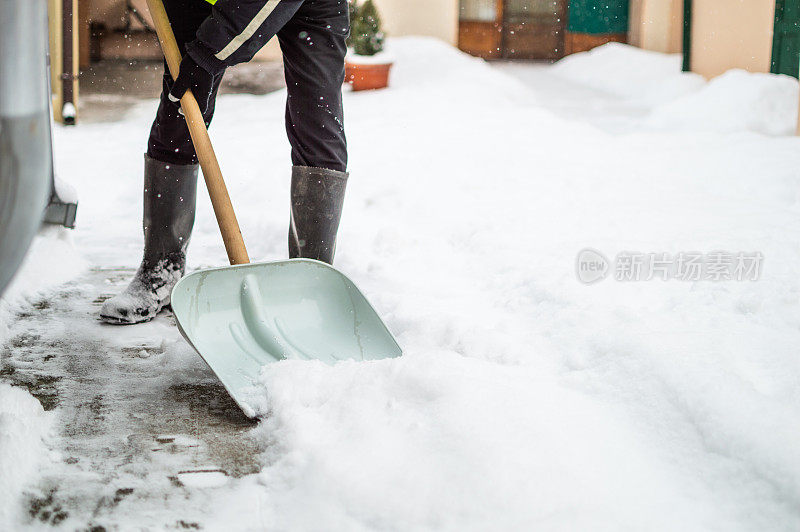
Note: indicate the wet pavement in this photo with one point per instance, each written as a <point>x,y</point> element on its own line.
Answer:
<point>143,428</point>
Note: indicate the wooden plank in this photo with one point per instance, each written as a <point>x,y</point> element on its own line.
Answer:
<point>64,56</point>
<point>536,34</point>
<point>54,18</point>
<point>481,39</point>
<point>533,41</point>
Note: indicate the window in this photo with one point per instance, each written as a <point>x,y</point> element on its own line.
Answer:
<point>479,10</point>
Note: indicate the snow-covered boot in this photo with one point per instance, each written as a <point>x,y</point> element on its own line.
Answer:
<point>317,197</point>
<point>170,191</point>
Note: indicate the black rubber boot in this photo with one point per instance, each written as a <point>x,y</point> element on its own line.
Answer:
<point>317,199</point>
<point>170,191</point>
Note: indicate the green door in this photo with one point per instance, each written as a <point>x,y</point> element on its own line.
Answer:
<point>786,42</point>
<point>598,17</point>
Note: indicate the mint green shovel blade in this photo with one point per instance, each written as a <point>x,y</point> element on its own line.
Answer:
<point>240,318</point>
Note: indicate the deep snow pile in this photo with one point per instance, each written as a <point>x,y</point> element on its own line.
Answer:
<point>23,427</point>
<point>524,398</point>
<point>735,101</point>
<point>673,100</point>
<point>629,72</point>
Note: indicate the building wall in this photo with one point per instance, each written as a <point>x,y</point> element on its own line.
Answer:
<point>657,25</point>
<point>436,18</point>
<point>731,34</point>
<point>676,27</point>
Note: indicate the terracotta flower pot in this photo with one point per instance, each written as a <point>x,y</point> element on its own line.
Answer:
<point>367,76</point>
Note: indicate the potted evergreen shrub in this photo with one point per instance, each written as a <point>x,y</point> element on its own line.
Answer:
<point>366,65</point>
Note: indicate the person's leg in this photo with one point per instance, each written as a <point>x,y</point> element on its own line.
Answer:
<point>313,45</point>
<point>170,184</point>
<point>169,198</point>
<point>169,140</point>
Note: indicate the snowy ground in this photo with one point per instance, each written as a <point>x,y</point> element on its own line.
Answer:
<point>524,399</point>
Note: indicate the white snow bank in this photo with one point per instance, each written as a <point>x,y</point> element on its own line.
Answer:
<point>438,441</point>
<point>630,72</point>
<point>523,395</point>
<point>23,426</point>
<point>51,261</point>
<point>735,101</point>
<point>429,67</point>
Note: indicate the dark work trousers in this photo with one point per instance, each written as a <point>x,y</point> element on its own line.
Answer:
<point>312,41</point>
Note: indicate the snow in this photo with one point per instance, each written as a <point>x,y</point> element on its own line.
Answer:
<point>441,441</point>
<point>23,429</point>
<point>629,72</point>
<point>141,294</point>
<point>524,398</point>
<point>381,58</point>
<point>66,192</point>
<point>203,479</point>
<point>670,100</point>
<point>675,100</point>
<point>735,101</point>
<point>51,260</point>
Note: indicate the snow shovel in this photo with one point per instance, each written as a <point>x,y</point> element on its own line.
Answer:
<point>242,317</point>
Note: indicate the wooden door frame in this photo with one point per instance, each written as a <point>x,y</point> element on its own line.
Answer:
<point>778,35</point>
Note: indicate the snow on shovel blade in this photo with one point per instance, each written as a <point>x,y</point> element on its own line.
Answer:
<point>239,318</point>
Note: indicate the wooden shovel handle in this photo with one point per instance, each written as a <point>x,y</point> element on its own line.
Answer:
<point>220,200</point>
